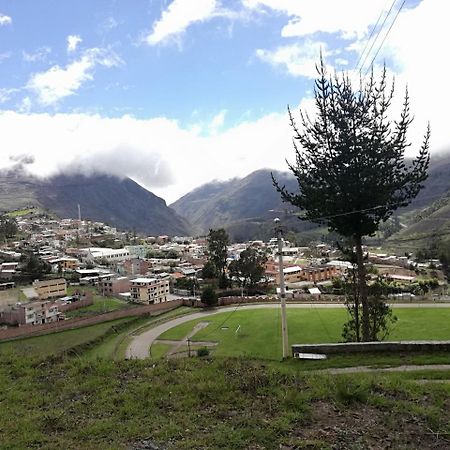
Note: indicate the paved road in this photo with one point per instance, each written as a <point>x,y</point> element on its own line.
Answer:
<point>139,347</point>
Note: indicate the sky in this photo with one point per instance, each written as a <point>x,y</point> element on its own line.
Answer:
<point>178,93</point>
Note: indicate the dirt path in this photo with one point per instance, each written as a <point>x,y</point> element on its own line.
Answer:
<point>140,345</point>
<point>179,344</point>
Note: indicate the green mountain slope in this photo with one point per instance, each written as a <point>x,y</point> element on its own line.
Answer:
<point>245,207</point>
<point>424,226</point>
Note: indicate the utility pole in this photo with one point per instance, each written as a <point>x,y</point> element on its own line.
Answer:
<point>284,332</point>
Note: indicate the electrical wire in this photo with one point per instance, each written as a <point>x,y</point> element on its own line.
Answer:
<point>370,37</point>
<point>378,34</point>
<point>373,208</point>
<point>385,36</point>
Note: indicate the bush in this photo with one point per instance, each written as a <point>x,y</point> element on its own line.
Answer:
<point>349,391</point>
<point>209,296</point>
<point>202,352</point>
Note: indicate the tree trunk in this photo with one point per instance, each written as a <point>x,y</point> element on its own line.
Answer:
<point>362,289</point>
<point>356,303</point>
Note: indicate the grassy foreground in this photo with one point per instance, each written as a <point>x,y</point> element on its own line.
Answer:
<point>214,404</point>
<point>85,399</point>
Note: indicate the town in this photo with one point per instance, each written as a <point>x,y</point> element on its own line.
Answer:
<point>65,268</point>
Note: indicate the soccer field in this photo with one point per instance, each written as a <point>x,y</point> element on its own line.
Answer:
<point>257,333</point>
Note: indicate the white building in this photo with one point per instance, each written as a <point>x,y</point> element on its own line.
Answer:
<point>110,254</point>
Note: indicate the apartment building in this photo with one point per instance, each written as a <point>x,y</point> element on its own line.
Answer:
<point>149,290</point>
<point>50,288</point>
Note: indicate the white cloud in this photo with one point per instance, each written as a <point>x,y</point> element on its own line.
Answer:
<point>6,94</point>
<point>5,20</point>
<point>60,82</point>
<point>178,17</point>
<point>72,42</point>
<point>349,18</point>
<point>217,121</point>
<point>25,105</point>
<point>158,153</point>
<point>39,55</point>
<point>299,59</point>
<point>5,55</point>
<point>419,57</point>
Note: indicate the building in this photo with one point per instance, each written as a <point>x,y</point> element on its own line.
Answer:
<point>50,288</point>
<point>136,266</point>
<point>114,286</point>
<point>149,290</point>
<point>66,263</point>
<point>293,274</point>
<point>319,273</point>
<point>108,254</point>
<point>33,313</point>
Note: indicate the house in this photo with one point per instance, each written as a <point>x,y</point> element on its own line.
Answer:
<point>136,266</point>
<point>149,290</point>
<point>114,286</point>
<point>66,263</point>
<point>33,313</point>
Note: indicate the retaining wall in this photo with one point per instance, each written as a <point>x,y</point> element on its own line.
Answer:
<point>371,347</point>
<point>35,330</point>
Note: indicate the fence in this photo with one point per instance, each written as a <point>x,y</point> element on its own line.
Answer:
<point>76,304</point>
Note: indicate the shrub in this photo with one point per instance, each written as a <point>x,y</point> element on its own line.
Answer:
<point>209,296</point>
<point>202,352</point>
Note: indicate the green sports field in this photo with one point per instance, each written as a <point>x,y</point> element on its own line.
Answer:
<point>257,333</point>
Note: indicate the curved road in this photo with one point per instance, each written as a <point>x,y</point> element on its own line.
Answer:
<point>140,345</point>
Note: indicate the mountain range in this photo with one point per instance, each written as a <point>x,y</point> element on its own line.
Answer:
<point>245,206</point>
<point>118,202</point>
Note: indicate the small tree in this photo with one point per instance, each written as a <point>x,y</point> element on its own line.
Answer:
<point>217,253</point>
<point>350,164</point>
<point>249,268</point>
<point>209,270</point>
<point>209,296</point>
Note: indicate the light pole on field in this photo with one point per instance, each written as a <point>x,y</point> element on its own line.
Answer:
<point>284,332</point>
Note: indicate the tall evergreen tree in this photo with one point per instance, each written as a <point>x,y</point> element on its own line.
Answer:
<point>350,162</point>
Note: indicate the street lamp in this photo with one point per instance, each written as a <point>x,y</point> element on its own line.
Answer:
<point>284,332</point>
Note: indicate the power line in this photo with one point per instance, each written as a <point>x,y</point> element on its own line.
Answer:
<point>370,37</point>
<point>368,209</point>
<point>378,34</point>
<point>385,36</point>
